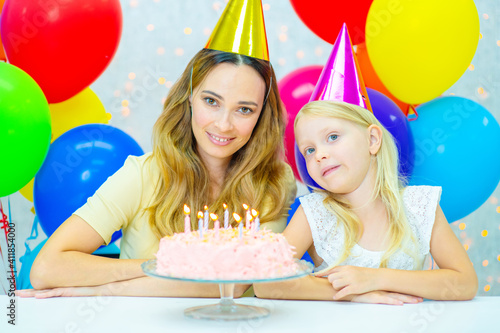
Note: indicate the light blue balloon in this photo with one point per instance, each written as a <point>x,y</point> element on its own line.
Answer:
<point>457,146</point>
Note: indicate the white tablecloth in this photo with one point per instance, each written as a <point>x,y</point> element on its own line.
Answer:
<point>145,314</point>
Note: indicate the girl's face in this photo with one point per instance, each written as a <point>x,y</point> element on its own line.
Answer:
<point>337,152</point>
<point>225,109</point>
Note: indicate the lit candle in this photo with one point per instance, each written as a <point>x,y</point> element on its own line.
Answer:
<point>226,216</point>
<point>237,218</point>
<point>248,216</point>
<point>214,218</point>
<point>187,219</point>
<point>205,219</point>
<point>200,223</point>
<point>256,225</point>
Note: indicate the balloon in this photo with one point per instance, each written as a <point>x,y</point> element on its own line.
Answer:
<point>370,76</point>
<point>394,120</point>
<point>24,128</point>
<point>457,146</point>
<point>84,108</point>
<point>421,48</point>
<point>2,53</point>
<point>325,17</point>
<point>302,168</point>
<point>295,90</point>
<point>63,45</point>
<point>78,162</point>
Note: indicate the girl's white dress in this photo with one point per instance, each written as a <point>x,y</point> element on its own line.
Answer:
<point>420,204</point>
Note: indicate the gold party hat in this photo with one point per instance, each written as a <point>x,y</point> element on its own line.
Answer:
<point>241,30</point>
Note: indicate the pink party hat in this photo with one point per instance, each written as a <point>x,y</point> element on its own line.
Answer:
<point>341,78</point>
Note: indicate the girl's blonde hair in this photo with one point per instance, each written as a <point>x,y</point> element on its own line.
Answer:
<point>389,186</point>
<point>257,173</point>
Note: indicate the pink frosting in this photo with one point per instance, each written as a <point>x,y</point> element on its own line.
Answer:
<point>257,255</point>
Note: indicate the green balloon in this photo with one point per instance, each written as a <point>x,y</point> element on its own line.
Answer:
<point>24,128</point>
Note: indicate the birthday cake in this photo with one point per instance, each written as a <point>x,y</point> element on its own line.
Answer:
<point>226,254</point>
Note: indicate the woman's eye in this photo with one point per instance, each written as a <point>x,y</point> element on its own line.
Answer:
<point>210,101</point>
<point>332,137</point>
<point>246,110</point>
<point>309,151</point>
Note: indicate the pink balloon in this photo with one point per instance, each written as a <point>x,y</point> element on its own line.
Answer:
<point>295,90</point>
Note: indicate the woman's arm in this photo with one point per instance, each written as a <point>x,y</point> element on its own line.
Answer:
<point>66,267</point>
<point>454,280</point>
<point>143,286</point>
<point>66,259</point>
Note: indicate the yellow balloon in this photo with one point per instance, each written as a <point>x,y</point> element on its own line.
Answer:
<point>421,48</point>
<point>27,190</point>
<point>83,108</point>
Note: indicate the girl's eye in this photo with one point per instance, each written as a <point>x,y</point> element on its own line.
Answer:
<point>210,101</point>
<point>246,110</point>
<point>332,137</point>
<point>309,151</point>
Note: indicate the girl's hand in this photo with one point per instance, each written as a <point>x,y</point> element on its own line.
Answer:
<point>384,297</point>
<point>64,292</point>
<point>352,280</point>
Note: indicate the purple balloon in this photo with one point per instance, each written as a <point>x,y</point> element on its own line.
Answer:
<point>394,120</point>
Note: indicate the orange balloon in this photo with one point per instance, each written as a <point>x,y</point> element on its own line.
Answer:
<point>2,53</point>
<point>371,78</point>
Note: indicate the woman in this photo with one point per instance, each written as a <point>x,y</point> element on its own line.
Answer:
<point>219,140</point>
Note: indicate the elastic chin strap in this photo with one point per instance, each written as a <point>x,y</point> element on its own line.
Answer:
<point>191,90</point>
<point>268,91</point>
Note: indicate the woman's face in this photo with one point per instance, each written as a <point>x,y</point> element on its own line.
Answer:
<point>225,109</point>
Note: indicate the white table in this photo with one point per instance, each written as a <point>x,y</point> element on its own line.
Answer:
<point>145,314</point>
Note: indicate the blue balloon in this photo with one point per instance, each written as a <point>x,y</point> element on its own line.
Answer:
<point>77,164</point>
<point>293,208</point>
<point>300,161</point>
<point>457,146</point>
<point>395,121</point>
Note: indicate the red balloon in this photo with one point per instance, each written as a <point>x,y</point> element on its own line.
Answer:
<point>295,90</point>
<point>325,17</point>
<point>63,45</point>
<point>2,53</point>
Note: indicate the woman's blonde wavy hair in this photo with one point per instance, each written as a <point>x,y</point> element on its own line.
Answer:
<point>389,186</point>
<point>257,173</point>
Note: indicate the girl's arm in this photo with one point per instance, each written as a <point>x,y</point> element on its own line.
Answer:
<point>454,280</point>
<point>66,259</point>
<point>298,234</point>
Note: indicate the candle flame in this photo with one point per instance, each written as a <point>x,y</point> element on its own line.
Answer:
<point>205,207</point>
<point>213,216</point>
<point>224,205</point>
<point>236,217</point>
<point>245,206</point>
<point>186,209</point>
<point>254,213</point>
<point>200,215</point>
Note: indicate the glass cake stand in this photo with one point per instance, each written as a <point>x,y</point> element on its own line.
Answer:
<point>227,309</point>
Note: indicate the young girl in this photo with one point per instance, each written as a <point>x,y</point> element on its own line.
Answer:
<point>366,232</point>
